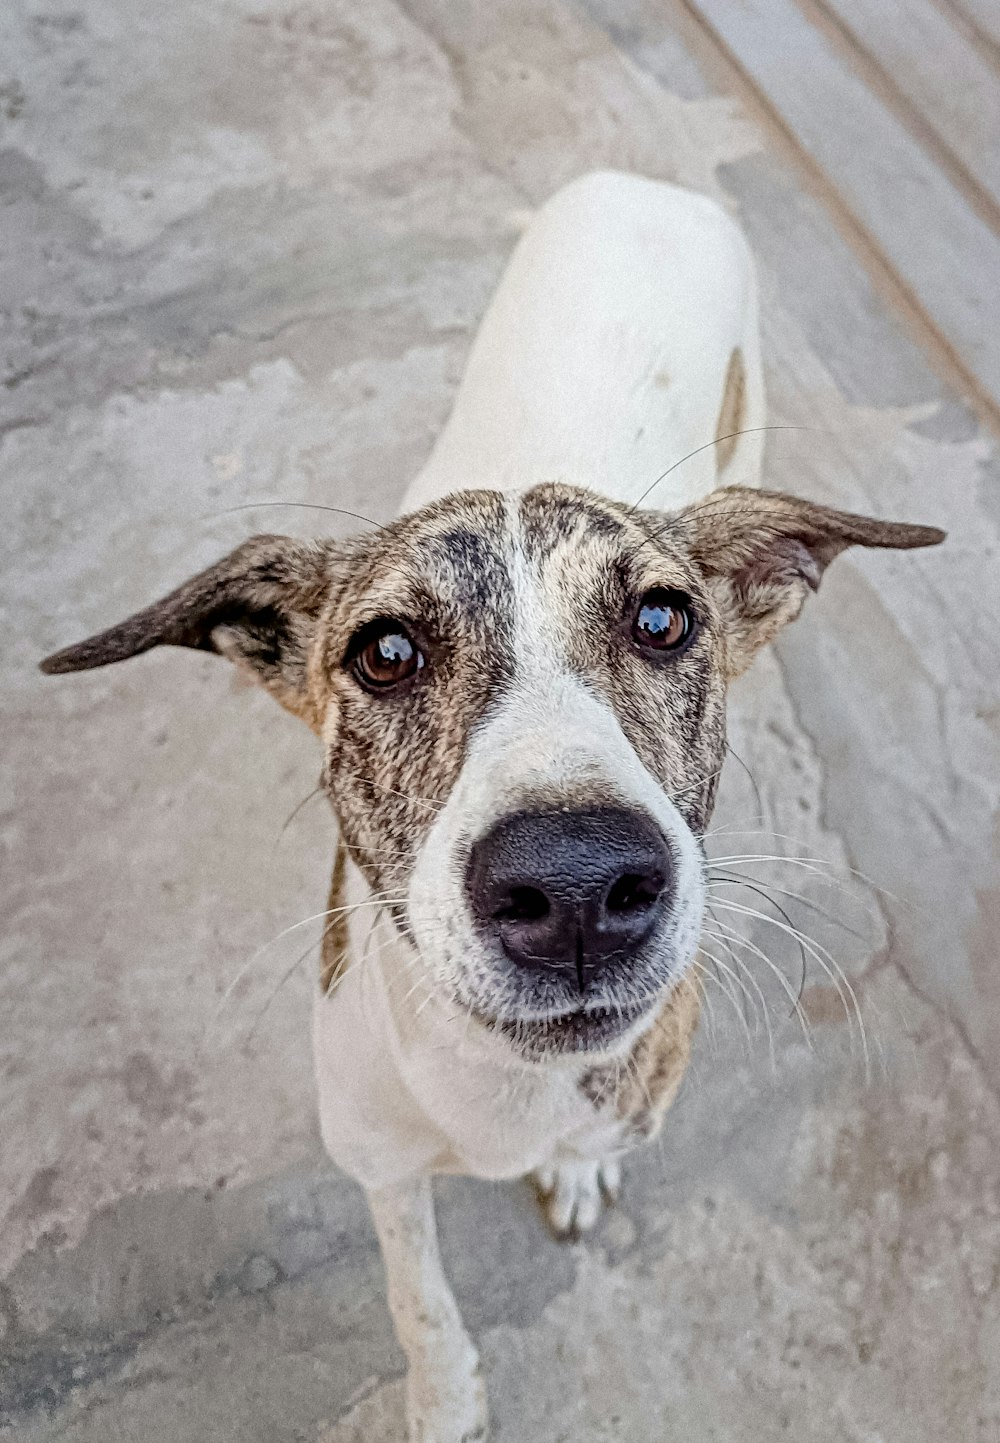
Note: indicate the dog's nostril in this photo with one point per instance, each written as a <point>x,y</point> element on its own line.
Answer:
<point>524,904</point>
<point>634,892</point>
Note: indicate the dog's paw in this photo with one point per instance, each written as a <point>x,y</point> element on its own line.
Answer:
<point>573,1194</point>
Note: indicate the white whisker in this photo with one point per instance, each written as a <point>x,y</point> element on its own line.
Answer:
<point>739,939</point>
<point>830,967</point>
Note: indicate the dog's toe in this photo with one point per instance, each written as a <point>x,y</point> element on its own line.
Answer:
<point>573,1193</point>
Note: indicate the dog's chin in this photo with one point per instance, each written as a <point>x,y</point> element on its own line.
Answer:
<point>581,1031</point>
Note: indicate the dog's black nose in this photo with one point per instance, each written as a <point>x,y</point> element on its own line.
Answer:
<point>571,891</point>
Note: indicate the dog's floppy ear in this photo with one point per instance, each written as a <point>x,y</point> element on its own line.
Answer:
<point>258,606</point>
<point>763,552</point>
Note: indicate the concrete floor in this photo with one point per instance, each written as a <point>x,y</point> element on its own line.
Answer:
<point>244,247</point>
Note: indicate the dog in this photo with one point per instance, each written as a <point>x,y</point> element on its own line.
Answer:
<point>519,688</point>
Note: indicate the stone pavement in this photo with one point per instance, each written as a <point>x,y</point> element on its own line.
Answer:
<point>244,247</point>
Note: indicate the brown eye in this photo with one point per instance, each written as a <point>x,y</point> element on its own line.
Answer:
<point>387,656</point>
<point>663,621</point>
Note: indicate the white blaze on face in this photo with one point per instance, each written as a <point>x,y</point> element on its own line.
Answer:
<point>551,740</point>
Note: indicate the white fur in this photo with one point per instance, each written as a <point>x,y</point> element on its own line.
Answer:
<point>601,361</point>
<point>446,1401</point>
<point>603,355</point>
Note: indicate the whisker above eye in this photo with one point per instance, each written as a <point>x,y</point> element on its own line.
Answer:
<point>300,505</point>
<point>731,436</point>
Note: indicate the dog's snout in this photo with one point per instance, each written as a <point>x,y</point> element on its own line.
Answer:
<point>571,891</point>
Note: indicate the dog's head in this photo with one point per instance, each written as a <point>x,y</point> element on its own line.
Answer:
<point>521,700</point>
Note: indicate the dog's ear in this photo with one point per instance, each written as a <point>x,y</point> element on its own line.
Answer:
<point>258,606</point>
<point>762,553</point>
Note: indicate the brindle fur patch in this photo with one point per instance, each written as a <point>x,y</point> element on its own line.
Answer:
<point>641,1087</point>
<point>392,761</point>
<point>732,413</point>
<point>334,953</point>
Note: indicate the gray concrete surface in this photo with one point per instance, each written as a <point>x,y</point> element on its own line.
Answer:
<point>244,247</point>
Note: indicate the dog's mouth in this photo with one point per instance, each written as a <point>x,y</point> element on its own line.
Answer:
<point>583,1029</point>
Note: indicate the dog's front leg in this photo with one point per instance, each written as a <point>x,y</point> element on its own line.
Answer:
<point>445,1398</point>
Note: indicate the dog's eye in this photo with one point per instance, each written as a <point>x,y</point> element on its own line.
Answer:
<point>663,621</point>
<point>387,656</point>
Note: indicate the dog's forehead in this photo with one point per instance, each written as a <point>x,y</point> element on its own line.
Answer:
<point>470,554</point>
<point>574,538</point>
<point>455,549</point>
<point>555,516</point>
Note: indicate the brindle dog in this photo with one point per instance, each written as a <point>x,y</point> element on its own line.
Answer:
<point>519,690</point>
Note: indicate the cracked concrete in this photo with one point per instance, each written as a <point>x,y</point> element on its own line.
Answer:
<point>244,248</point>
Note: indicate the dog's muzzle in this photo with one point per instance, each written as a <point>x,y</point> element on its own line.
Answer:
<point>571,893</point>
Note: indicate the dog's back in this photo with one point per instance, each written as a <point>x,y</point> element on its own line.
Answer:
<point>623,336</point>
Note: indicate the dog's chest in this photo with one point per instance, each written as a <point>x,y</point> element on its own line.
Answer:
<point>428,1092</point>
<point>503,1119</point>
